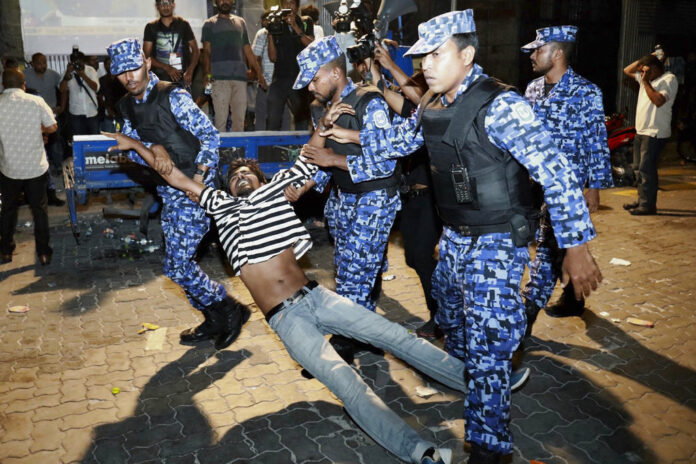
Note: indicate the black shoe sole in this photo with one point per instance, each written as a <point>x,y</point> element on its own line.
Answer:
<point>560,314</point>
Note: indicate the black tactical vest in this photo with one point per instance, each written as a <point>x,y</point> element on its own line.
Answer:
<point>500,186</point>
<point>155,123</point>
<point>358,99</point>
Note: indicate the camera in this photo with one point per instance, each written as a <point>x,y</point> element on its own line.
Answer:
<point>76,59</point>
<point>364,48</point>
<point>276,20</point>
<point>356,13</point>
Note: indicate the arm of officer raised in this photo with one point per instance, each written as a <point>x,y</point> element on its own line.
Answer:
<point>380,147</point>
<point>512,126</point>
<point>595,143</point>
<point>192,119</point>
<point>396,141</point>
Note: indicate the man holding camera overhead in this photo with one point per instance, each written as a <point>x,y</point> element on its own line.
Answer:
<point>362,206</point>
<point>290,35</point>
<point>82,82</point>
<point>225,47</point>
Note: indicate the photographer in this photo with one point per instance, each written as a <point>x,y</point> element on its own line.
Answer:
<point>287,41</point>
<point>81,81</point>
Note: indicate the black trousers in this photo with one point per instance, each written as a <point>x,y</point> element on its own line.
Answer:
<point>421,229</point>
<point>35,194</point>
<point>82,125</point>
<point>281,91</point>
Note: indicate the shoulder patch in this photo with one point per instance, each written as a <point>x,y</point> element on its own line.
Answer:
<point>523,112</point>
<point>381,119</point>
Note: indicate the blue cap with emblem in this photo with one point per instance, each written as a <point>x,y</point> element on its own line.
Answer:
<point>435,32</point>
<point>551,34</point>
<point>314,57</point>
<point>126,55</point>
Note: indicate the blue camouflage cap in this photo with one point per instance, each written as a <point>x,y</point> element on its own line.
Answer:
<point>437,30</point>
<point>126,55</point>
<point>313,57</point>
<point>551,34</point>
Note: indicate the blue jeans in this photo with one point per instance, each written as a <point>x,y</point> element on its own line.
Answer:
<point>302,326</point>
<point>646,154</point>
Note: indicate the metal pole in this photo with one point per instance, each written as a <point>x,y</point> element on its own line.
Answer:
<point>453,5</point>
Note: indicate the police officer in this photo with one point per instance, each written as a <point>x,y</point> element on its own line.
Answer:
<point>161,113</point>
<point>484,141</point>
<point>362,205</point>
<point>571,109</point>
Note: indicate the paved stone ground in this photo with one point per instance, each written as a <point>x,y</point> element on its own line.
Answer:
<point>602,390</point>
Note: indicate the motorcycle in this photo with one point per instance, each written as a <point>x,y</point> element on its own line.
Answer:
<point>620,139</point>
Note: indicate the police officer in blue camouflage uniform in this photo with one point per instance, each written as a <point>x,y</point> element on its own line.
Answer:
<point>361,208</point>
<point>571,109</point>
<point>164,116</point>
<point>484,141</point>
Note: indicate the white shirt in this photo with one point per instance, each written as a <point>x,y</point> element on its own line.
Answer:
<point>318,32</point>
<point>651,120</point>
<point>80,103</point>
<point>21,116</point>
<point>260,48</point>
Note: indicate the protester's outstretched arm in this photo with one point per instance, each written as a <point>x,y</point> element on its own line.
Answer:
<point>153,157</point>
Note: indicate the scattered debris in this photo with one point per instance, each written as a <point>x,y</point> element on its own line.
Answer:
<point>115,391</point>
<point>619,262</point>
<point>388,277</point>
<point>147,326</point>
<point>128,239</point>
<point>640,322</point>
<point>425,392</point>
<point>108,233</point>
<point>89,231</point>
<point>615,320</point>
<point>604,314</point>
<point>18,309</point>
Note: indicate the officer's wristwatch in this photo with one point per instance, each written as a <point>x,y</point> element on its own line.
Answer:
<point>200,172</point>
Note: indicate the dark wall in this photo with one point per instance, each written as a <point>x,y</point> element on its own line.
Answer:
<point>504,26</point>
<point>10,29</point>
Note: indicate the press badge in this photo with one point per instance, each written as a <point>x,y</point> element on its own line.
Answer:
<point>175,61</point>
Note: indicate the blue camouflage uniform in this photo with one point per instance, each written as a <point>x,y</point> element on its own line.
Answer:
<point>184,223</point>
<point>573,113</point>
<point>359,222</point>
<point>477,280</point>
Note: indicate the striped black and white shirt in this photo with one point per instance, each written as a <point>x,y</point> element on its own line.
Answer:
<point>256,228</point>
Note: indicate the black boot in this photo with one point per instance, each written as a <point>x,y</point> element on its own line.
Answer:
<point>53,200</point>
<point>481,455</point>
<point>567,305</point>
<point>229,316</point>
<point>205,331</point>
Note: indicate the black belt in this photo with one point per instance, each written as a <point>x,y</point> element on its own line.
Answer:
<point>308,287</point>
<point>475,231</point>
